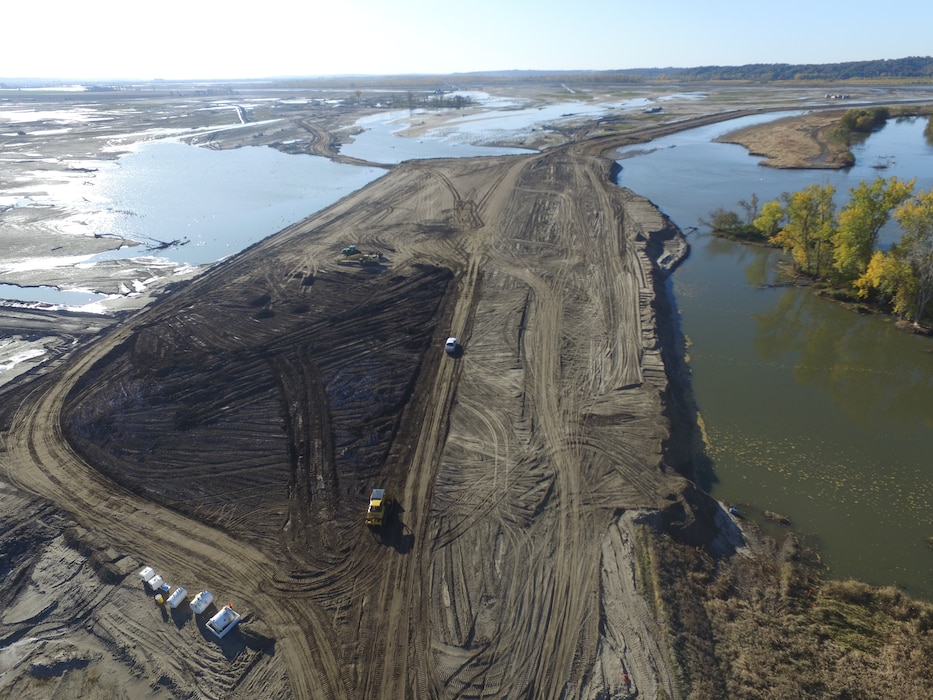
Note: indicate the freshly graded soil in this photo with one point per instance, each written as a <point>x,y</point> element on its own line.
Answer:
<point>230,433</point>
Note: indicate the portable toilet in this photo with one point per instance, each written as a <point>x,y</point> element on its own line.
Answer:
<point>177,596</point>
<point>147,573</point>
<point>224,621</point>
<point>200,602</point>
<point>155,583</point>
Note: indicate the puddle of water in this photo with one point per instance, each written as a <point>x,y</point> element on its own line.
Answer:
<point>48,295</point>
<point>381,143</point>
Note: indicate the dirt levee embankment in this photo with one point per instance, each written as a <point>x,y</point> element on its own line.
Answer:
<point>253,411</point>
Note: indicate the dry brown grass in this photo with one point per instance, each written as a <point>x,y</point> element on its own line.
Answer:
<point>795,142</point>
<point>768,627</point>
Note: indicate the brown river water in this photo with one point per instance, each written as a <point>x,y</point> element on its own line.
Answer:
<point>810,410</point>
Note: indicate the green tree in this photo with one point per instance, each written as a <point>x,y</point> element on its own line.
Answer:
<point>903,275</point>
<point>727,223</point>
<point>722,220</point>
<point>807,235</point>
<point>861,219</point>
<point>750,208</point>
<point>915,217</point>
<point>863,120</point>
<point>771,219</point>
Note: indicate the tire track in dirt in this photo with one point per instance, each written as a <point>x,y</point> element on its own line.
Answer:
<point>403,666</point>
<point>510,462</point>
<point>39,461</point>
<point>563,259</point>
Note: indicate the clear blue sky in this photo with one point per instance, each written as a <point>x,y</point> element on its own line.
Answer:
<point>195,39</point>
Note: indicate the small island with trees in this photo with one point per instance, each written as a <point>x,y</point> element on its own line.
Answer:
<point>838,251</point>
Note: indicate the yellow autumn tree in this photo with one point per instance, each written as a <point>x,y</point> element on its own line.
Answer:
<point>861,219</point>
<point>915,217</point>
<point>808,233</point>
<point>903,275</point>
<point>770,219</point>
<point>889,278</point>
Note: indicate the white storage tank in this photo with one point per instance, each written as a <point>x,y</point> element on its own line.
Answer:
<point>147,573</point>
<point>200,602</point>
<point>155,583</point>
<point>178,595</point>
<point>224,621</point>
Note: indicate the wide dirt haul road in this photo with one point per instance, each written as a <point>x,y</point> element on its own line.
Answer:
<point>231,433</point>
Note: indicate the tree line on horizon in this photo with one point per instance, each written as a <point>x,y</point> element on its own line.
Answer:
<point>916,67</point>
<point>913,67</point>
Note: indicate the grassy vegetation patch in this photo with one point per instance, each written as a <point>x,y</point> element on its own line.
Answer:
<point>768,626</point>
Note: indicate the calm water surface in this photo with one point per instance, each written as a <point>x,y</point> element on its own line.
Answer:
<point>811,410</point>
<point>471,133</point>
<point>48,295</point>
<point>220,201</point>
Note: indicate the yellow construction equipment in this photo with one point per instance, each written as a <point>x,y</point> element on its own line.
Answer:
<point>379,505</point>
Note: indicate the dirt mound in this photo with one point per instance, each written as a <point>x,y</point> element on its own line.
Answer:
<point>258,402</point>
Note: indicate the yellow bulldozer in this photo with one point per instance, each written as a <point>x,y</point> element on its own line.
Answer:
<point>380,505</point>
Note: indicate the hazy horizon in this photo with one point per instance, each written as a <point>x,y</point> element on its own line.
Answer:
<point>64,81</point>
